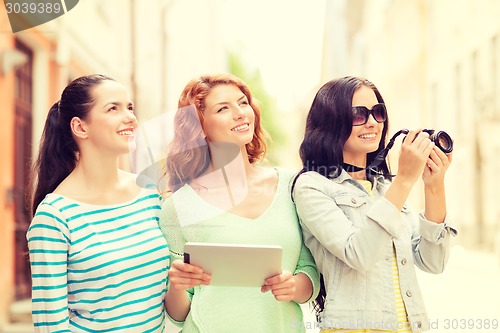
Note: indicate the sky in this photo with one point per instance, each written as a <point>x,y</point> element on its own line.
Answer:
<point>283,39</point>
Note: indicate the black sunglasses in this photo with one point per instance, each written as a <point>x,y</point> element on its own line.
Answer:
<point>360,114</point>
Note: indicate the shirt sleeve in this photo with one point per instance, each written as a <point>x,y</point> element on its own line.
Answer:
<point>172,231</point>
<point>307,266</point>
<point>48,242</point>
<point>305,263</point>
<point>431,243</point>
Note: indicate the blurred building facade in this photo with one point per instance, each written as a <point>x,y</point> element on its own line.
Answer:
<point>40,62</point>
<point>152,48</point>
<point>435,62</point>
<point>437,66</point>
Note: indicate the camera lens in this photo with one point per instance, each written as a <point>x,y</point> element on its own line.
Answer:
<point>443,141</point>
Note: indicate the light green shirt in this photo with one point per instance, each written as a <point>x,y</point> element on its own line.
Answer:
<point>217,309</point>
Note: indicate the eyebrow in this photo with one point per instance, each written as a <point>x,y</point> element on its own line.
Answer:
<point>224,103</point>
<point>117,103</point>
<point>364,106</point>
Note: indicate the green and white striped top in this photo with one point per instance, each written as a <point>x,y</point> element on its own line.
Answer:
<point>98,268</point>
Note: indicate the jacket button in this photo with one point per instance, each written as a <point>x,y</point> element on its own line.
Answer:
<point>419,324</point>
<point>353,200</point>
<point>408,293</point>
<point>403,262</point>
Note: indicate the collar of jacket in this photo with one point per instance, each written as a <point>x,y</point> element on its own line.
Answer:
<point>378,180</point>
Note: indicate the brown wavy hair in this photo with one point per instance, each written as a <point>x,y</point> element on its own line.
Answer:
<point>185,163</point>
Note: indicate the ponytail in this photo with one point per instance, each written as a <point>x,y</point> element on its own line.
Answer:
<point>56,157</point>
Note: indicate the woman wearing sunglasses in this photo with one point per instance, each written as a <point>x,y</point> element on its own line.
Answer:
<point>364,238</point>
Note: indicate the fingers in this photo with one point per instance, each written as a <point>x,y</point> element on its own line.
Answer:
<point>415,136</point>
<point>279,278</point>
<point>282,286</point>
<point>419,141</point>
<point>183,283</point>
<point>438,160</point>
<point>434,162</point>
<point>184,267</point>
<point>415,151</point>
<point>183,276</point>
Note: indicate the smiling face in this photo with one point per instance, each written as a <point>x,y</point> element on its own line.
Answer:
<point>228,117</point>
<point>111,122</point>
<point>365,138</point>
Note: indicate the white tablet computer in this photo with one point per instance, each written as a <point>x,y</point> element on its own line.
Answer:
<point>235,264</point>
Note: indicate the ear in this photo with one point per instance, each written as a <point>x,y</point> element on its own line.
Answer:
<point>78,128</point>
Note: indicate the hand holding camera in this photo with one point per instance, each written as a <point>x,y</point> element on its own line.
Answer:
<point>418,154</point>
<point>438,162</point>
<point>414,154</point>
<point>441,139</point>
<point>420,158</point>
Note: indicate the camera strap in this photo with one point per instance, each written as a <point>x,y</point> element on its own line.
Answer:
<point>378,159</point>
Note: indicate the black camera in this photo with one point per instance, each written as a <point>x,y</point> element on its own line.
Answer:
<point>441,139</point>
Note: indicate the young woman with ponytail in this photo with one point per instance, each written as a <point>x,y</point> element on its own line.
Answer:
<point>98,258</point>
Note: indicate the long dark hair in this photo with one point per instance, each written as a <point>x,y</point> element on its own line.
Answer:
<point>328,126</point>
<point>57,155</point>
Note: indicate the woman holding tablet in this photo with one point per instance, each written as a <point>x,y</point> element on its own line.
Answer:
<point>221,193</point>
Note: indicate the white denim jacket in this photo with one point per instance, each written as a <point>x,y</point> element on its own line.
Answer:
<point>351,237</point>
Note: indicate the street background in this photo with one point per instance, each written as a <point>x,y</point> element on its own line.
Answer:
<point>437,64</point>
<point>465,298</point>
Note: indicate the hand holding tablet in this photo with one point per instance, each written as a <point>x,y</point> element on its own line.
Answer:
<point>238,265</point>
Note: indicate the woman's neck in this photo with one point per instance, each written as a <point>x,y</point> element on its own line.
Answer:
<point>359,175</point>
<point>359,162</point>
<point>228,156</point>
<point>225,182</point>
<point>98,173</point>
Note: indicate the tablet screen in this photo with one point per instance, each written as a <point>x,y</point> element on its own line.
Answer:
<point>239,265</point>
